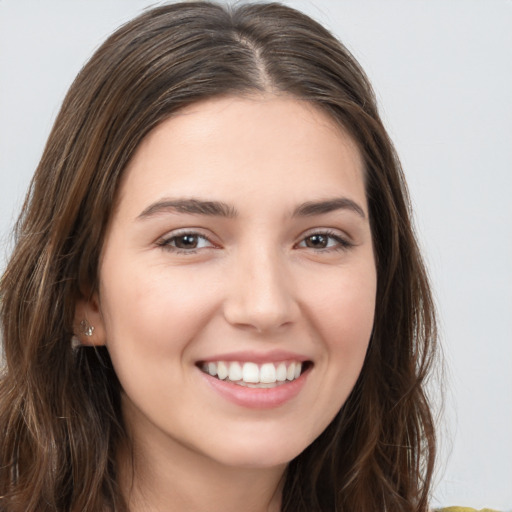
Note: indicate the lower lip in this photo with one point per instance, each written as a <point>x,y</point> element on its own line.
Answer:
<point>257,398</point>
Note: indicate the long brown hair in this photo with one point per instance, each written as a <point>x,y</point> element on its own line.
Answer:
<point>60,421</point>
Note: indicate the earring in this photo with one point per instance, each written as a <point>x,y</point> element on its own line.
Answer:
<point>86,329</point>
<point>75,342</point>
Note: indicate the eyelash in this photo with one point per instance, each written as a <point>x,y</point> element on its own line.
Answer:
<point>165,243</point>
<point>341,243</point>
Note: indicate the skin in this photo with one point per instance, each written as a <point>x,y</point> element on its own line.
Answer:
<point>257,282</point>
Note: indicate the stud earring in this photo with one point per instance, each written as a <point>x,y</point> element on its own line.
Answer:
<point>86,328</point>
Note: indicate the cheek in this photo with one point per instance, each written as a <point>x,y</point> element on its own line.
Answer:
<point>155,311</point>
<point>341,314</point>
<point>344,311</point>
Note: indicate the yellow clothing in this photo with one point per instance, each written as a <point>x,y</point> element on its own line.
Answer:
<point>464,509</point>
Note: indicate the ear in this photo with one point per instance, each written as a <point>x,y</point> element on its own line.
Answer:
<point>89,326</point>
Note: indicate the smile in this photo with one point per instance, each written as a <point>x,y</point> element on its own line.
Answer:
<point>250,374</point>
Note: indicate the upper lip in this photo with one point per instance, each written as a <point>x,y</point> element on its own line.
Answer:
<point>273,356</point>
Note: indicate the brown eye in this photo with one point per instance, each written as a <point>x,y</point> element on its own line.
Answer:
<point>317,241</point>
<point>325,241</point>
<point>186,241</point>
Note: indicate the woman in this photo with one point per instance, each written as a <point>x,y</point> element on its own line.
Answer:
<point>216,300</point>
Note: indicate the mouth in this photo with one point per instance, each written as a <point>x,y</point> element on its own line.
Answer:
<point>253,375</point>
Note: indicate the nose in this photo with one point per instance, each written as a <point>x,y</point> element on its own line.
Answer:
<point>261,294</point>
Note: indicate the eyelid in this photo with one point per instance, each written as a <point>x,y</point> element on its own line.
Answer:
<point>344,241</point>
<point>164,241</point>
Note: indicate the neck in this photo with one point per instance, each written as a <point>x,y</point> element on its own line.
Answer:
<point>157,477</point>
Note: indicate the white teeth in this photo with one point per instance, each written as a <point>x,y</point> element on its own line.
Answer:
<point>268,373</point>
<point>281,372</point>
<point>222,370</point>
<point>252,375</point>
<point>290,373</point>
<point>235,372</point>
<point>212,369</point>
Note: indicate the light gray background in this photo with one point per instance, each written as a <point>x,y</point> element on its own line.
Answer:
<point>442,70</point>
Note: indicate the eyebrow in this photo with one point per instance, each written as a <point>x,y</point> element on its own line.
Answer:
<point>312,208</point>
<point>220,209</point>
<point>192,206</point>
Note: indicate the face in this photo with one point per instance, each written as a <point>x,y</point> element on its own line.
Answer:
<point>237,280</point>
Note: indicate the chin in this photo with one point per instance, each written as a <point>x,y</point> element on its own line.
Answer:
<point>263,454</point>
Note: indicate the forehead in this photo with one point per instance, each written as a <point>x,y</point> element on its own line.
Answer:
<point>234,145</point>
